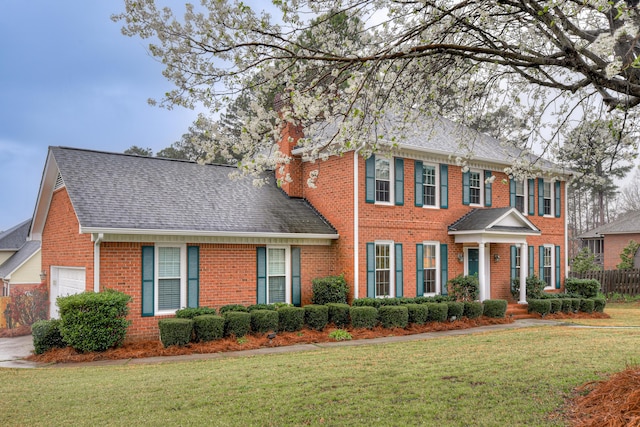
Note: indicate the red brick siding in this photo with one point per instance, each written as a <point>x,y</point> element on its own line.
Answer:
<point>614,244</point>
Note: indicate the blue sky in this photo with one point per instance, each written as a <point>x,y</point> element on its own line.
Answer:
<point>69,77</point>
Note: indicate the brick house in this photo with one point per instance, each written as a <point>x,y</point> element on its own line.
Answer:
<point>607,242</point>
<point>174,234</point>
<point>19,259</point>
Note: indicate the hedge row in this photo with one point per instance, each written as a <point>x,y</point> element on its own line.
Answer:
<point>199,325</point>
<point>546,306</point>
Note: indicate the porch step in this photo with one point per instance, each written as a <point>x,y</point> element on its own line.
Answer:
<point>519,311</point>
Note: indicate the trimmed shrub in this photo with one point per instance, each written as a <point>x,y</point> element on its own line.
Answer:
<point>587,288</point>
<point>496,308</point>
<point>291,319</point>
<point>316,316</point>
<point>586,305</point>
<point>364,317</point>
<point>263,321</point>
<point>437,311</point>
<point>473,309</point>
<point>464,288</point>
<point>329,289</point>
<point>418,313</point>
<point>237,323</point>
<point>233,307</point>
<point>190,313</point>
<point>261,307</point>
<point>175,331</point>
<point>388,301</point>
<point>535,287</point>
<point>94,321</point>
<point>599,304</point>
<point>556,305</point>
<point>46,335</point>
<point>208,327</point>
<point>393,316</point>
<point>575,304</point>
<point>540,306</point>
<point>366,302</point>
<point>455,309</point>
<point>567,305</point>
<point>339,314</point>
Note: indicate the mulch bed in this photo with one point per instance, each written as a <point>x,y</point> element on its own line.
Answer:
<point>134,350</point>
<point>613,403</point>
<point>20,331</point>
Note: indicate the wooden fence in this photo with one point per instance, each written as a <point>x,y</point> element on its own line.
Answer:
<point>625,282</point>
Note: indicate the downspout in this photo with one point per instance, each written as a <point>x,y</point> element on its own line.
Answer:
<point>566,234</point>
<point>356,226</point>
<point>97,239</point>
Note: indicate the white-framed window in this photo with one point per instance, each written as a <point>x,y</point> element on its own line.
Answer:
<point>431,266</point>
<point>384,263</point>
<point>517,262</point>
<point>547,198</point>
<point>521,197</point>
<point>278,274</point>
<point>171,278</point>
<point>430,184</point>
<point>384,180</point>
<point>476,183</point>
<point>548,267</point>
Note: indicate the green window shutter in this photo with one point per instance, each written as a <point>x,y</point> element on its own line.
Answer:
<point>370,184</point>
<point>540,197</point>
<point>487,189</point>
<point>513,262</point>
<point>147,281</point>
<point>444,186</point>
<point>444,268</point>
<point>557,249</point>
<point>512,193</point>
<point>419,270</point>
<point>419,199</point>
<point>466,176</point>
<point>399,274</point>
<point>261,255</point>
<point>296,288</point>
<point>531,260</point>
<point>541,265</point>
<point>193,276</point>
<point>399,182</point>
<point>557,195</point>
<point>532,196</point>
<point>371,270</point>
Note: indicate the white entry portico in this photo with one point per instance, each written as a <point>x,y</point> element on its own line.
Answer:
<point>481,227</point>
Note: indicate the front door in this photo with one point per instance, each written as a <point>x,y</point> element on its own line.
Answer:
<point>472,261</point>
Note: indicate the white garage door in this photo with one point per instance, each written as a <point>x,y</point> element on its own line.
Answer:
<point>65,281</point>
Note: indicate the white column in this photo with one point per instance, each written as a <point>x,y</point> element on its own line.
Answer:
<point>524,267</point>
<point>481,278</point>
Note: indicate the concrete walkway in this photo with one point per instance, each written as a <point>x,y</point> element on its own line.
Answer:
<point>13,350</point>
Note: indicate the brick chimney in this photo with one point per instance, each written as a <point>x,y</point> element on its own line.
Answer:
<point>288,140</point>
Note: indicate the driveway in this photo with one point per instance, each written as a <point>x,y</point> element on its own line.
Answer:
<point>13,350</point>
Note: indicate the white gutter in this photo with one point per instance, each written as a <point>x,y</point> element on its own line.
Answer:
<point>356,240</point>
<point>97,239</point>
<point>138,231</point>
<point>566,232</point>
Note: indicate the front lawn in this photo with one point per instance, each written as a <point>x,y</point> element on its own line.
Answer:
<point>519,377</point>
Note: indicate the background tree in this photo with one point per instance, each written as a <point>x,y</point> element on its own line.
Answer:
<point>630,195</point>
<point>544,60</point>
<point>627,256</point>
<point>139,151</point>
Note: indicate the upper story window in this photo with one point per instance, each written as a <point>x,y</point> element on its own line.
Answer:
<point>429,186</point>
<point>547,197</point>
<point>383,180</point>
<point>475,188</point>
<point>521,197</point>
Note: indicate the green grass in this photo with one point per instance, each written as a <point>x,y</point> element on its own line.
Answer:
<point>622,314</point>
<point>516,378</point>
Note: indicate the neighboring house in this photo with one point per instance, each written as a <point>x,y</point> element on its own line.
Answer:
<point>174,234</point>
<point>19,259</point>
<point>607,241</point>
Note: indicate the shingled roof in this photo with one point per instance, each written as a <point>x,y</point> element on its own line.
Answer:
<point>113,192</point>
<point>628,223</point>
<point>15,237</point>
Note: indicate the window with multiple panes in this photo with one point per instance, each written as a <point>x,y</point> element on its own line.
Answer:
<point>276,275</point>
<point>517,262</point>
<point>547,197</point>
<point>430,264</point>
<point>383,180</point>
<point>521,196</point>
<point>170,278</point>
<point>475,187</point>
<point>429,185</point>
<point>547,269</point>
<point>383,269</point>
